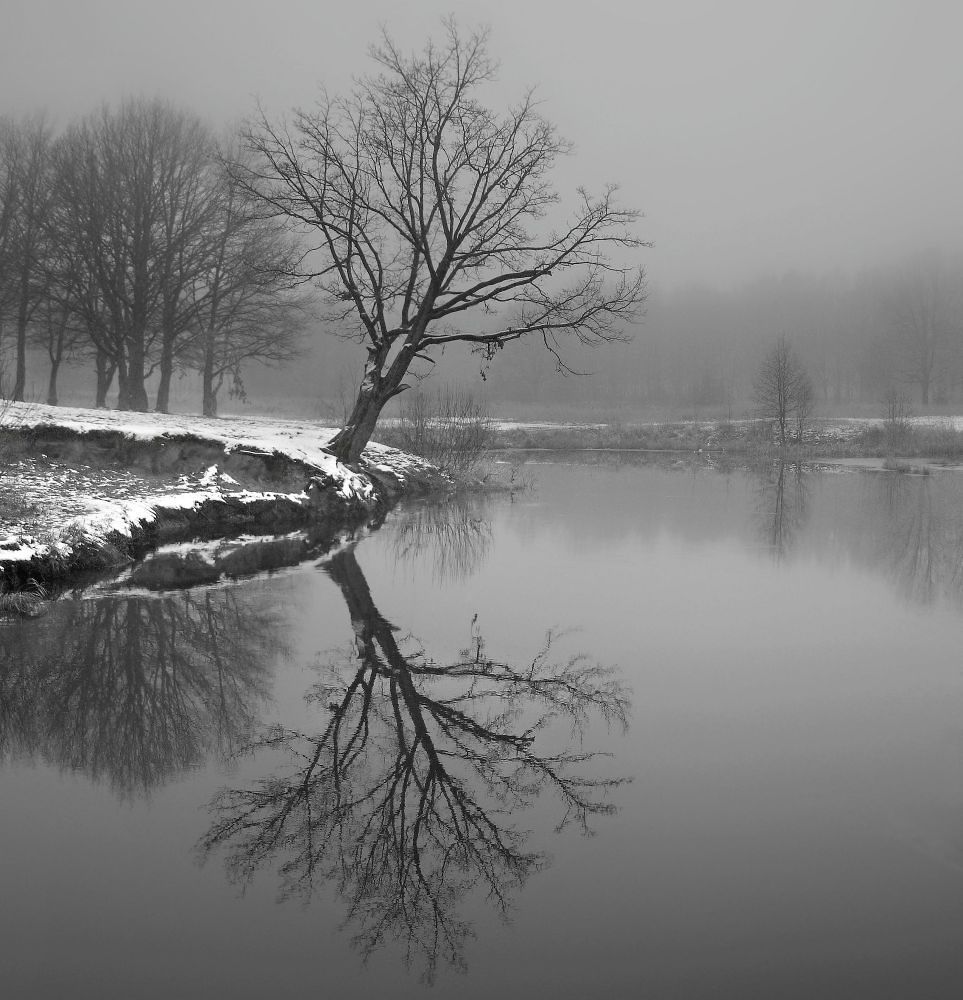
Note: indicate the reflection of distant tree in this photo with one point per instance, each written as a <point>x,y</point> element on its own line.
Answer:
<point>133,689</point>
<point>781,505</point>
<point>915,557</point>
<point>920,545</point>
<point>407,798</point>
<point>906,527</point>
<point>455,534</point>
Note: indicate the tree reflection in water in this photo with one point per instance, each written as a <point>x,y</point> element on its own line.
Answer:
<point>921,544</point>
<point>134,690</point>
<point>907,527</point>
<point>782,505</point>
<point>408,797</point>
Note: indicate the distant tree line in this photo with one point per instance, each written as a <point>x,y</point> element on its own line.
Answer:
<point>125,245</point>
<point>860,336</point>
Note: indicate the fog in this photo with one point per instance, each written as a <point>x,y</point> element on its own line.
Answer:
<point>755,136</point>
<point>760,139</point>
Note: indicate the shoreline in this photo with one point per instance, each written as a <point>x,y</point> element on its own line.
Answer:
<point>89,492</point>
<point>92,491</point>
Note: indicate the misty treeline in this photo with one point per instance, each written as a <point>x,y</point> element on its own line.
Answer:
<point>127,248</point>
<point>861,337</point>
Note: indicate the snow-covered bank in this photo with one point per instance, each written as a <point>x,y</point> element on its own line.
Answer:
<point>84,489</point>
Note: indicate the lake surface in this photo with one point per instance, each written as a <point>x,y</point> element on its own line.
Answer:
<point>640,731</point>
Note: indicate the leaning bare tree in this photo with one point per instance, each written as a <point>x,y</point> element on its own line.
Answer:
<point>425,206</point>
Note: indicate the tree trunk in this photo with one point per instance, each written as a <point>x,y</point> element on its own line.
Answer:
<point>123,391</point>
<point>52,382</point>
<point>134,392</point>
<point>209,403</point>
<point>20,382</point>
<point>374,392</point>
<point>105,368</point>
<point>162,403</point>
<point>208,392</point>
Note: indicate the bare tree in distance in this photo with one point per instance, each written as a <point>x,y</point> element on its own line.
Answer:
<point>26,195</point>
<point>424,208</point>
<point>926,316</point>
<point>187,200</point>
<point>783,391</point>
<point>130,214</point>
<point>244,308</point>
<point>58,334</point>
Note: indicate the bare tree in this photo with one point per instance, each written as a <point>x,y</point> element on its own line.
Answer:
<point>8,204</point>
<point>131,206</point>
<point>188,205</point>
<point>783,391</point>
<point>244,306</point>
<point>925,314</point>
<point>25,151</point>
<point>57,333</point>
<point>427,208</point>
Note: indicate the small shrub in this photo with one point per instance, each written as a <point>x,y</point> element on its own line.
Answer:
<point>27,603</point>
<point>896,410</point>
<point>449,428</point>
<point>15,508</point>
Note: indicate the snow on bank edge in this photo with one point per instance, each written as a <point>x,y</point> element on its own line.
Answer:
<point>106,521</point>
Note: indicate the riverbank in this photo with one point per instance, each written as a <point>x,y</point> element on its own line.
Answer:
<point>934,438</point>
<point>90,490</point>
<point>93,490</point>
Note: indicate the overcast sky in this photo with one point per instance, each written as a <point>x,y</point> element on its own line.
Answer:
<point>758,136</point>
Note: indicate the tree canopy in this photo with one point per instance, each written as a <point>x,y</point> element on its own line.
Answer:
<point>432,219</point>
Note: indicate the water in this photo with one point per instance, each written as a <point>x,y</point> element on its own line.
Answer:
<point>348,777</point>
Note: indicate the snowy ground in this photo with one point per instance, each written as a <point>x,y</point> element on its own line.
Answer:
<point>46,505</point>
<point>301,439</point>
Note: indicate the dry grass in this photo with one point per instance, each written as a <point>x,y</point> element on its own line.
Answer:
<point>26,603</point>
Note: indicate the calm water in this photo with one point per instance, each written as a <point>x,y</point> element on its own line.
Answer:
<point>641,732</point>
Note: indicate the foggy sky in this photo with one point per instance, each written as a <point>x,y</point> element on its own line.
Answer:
<point>757,136</point>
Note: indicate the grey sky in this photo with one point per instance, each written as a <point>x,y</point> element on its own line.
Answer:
<point>757,135</point>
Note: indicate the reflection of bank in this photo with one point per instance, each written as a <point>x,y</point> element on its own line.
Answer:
<point>409,796</point>
<point>134,690</point>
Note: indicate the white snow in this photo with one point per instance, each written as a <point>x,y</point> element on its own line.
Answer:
<point>80,510</point>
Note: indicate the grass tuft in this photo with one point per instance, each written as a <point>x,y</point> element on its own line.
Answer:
<point>26,603</point>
